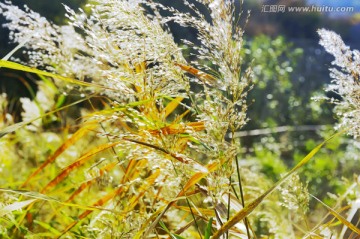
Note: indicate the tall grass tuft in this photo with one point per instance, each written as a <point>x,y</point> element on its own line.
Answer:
<point>147,152</point>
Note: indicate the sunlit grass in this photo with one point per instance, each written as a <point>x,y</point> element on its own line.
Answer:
<point>142,154</point>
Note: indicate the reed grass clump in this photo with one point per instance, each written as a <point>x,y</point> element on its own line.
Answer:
<point>125,138</point>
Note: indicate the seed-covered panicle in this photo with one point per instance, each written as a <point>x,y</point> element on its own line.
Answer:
<point>167,139</point>
<point>345,80</point>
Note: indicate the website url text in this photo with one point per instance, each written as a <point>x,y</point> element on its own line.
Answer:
<point>312,8</point>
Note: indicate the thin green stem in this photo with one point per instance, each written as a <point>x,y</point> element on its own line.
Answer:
<point>242,196</point>
<point>228,208</point>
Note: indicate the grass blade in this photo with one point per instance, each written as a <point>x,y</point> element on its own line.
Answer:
<point>38,196</point>
<point>69,142</point>
<point>339,217</point>
<point>100,202</point>
<point>48,227</point>
<point>83,159</point>
<point>17,66</point>
<point>171,106</point>
<point>86,184</point>
<point>179,157</point>
<point>150,180</point>
<point>206,78</point>
<point>179,128</point>
<point>172,235</point>
<point>19,125</point>
<point>20,45</point>
<point>15,206</point>
<point>143,188</point>
<point>250,207</point>
<point>208,232</point>
<point>191,182</point>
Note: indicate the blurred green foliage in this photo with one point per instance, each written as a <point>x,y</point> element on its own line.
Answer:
<point>277,100</point>
<point>274,97</point>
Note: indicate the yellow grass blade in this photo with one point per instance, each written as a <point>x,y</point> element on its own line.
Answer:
<point>17,66</point>
<point>141,67</point>
<point>149,181</point>
<point>130,167</point>
<point>151,111</point>
<point>141,191</point>
<point>171,106</point>
<point>131,171</point>
<point>203,211</point>
<point>69,142</point>
<point>181,158</point>
<point>191,182</point>
<point>83,159</point>
<point>180,117</point>
<point>118,108</point>
<point>251,206</point>
<point>197,177</point>
<point>141,232</point>
<point>184,228</point>
<point>179,128</point>
<point>181,144</point>
<point>339,217</point>
<point>206,78</point>
<point>100,202</point>
<point>85,185</point>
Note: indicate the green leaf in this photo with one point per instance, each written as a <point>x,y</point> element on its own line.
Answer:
<point>60,101</point>
<point>173,236</point>
<point>208,232</point>
<point>48,227</point>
